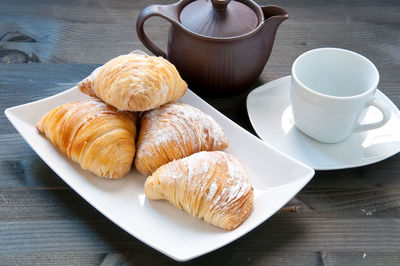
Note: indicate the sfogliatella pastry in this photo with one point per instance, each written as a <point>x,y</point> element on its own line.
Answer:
<point>213,186</point>
<point>135,82</point>
<point>97,136</point>
<point>174,131</point>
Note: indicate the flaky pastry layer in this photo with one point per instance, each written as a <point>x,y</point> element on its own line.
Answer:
<point>97,136</point>
<point>135,82</point>
<point>174,131</point>
<point>213,186</point>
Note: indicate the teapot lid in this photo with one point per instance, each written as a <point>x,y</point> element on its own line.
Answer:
<point>219,18</point>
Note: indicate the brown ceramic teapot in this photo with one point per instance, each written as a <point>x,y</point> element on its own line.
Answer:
<point>218,46</point>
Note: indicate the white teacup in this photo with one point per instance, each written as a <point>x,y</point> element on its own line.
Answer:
<point>330,89</point>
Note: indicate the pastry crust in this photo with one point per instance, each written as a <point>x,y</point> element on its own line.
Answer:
<point>97,136</point>
<point>213,186</point>
<point>135,82</point>
<point>174,131</point>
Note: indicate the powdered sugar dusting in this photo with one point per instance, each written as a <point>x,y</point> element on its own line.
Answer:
<point>238,173</point>
<point>212,191</point>
<point>237,184</point>
<point>201,165</point>
<point>210,185</point>
<point>197,165</point>
<point>184,125</point>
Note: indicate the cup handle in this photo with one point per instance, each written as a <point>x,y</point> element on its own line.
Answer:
<point>168,12</point>
<point>383,108</point>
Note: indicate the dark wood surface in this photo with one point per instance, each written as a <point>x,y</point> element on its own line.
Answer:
<point>343,217</point>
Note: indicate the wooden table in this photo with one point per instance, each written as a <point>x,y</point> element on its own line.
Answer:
<point>345,217</point>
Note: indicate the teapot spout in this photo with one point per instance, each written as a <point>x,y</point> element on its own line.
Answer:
<point>274,13</point>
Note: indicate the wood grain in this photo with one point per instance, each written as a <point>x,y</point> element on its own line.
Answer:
<point>282,236</point>
<point>342,217</point>
<point>252,258</point>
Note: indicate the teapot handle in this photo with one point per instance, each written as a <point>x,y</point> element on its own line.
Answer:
<point>168,12</point>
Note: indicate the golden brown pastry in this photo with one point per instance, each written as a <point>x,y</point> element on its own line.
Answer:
<point>213,186</point>
<point>174,131</point>
<point>135,82</point>
<point>97,136</point>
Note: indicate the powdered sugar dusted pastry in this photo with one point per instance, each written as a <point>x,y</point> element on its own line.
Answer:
<point>97,136</point>
<point>174,131</point>
<point>213,186</point>
<point>135,82</point>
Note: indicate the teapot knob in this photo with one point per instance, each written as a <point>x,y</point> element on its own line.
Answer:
<point>220,5</point>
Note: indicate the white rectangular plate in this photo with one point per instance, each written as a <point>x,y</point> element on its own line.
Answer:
<point>276,178</point>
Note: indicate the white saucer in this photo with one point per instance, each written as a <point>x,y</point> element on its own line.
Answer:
<point>270,113</point>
